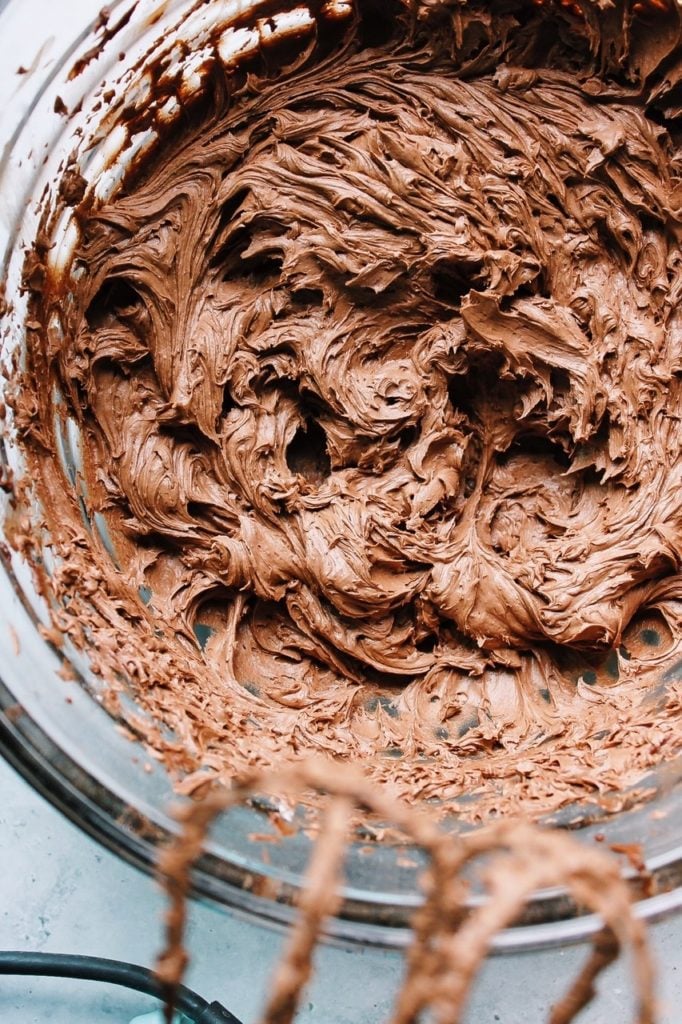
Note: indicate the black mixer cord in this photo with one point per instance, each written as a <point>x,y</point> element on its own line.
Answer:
<point>114,972</point>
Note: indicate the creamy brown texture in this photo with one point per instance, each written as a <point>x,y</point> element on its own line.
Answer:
<point>380,369</point>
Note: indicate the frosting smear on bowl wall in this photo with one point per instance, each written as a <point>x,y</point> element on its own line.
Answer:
<point>378,367</point>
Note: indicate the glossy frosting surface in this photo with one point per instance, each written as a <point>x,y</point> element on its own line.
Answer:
<point>380,369</point>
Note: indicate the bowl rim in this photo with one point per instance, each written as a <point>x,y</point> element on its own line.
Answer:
<point>103,813</point>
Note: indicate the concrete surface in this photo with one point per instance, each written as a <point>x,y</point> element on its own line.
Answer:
<point>60,891</point>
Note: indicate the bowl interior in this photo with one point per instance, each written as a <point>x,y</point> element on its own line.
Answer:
<point>57,729</point>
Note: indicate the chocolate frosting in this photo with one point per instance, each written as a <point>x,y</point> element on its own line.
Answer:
<point>380,368</point>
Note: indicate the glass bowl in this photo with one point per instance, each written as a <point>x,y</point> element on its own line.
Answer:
<point>55,730</point>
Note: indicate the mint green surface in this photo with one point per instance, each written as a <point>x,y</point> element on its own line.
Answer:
<point>156,1017</point>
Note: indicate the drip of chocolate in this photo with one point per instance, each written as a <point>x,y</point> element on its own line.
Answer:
<point>380,370</point>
